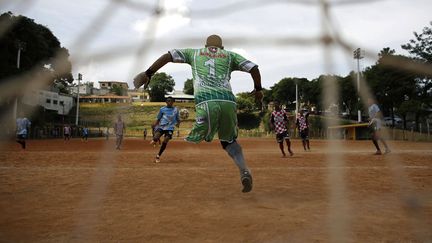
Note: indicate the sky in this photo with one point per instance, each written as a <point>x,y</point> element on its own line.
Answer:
<point>115,40</point>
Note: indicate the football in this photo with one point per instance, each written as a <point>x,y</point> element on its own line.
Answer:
<point>184,113</point>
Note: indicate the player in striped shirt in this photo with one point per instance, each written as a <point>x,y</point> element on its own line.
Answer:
<point>279,122</point>
<point>215,102</point>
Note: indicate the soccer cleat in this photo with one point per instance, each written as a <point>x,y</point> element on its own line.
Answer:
<point>157,159</point>
<point>246,180</point>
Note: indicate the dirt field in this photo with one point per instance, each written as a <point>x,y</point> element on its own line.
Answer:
<point>89,192</point>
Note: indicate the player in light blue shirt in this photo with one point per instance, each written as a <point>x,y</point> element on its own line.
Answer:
<point>375,126</point>
<point>167,118</point>
<point>22,126</point>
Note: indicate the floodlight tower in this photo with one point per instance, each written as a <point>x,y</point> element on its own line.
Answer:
<point>78,91</point>
<point>21,46</point>
<point>358,55</point>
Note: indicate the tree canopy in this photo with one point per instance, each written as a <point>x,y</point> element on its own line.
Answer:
<point>38,47</point>
<point>188,87</point>
<point>160,84</point>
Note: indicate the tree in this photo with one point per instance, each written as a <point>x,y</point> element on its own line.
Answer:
<point>38,47</point>
<point>245,102</point>
<point>349,96</point>
<point>118,90</point>
<point>421,47</point>
<point>284,91</point>
<point>160,84</point>
<point>188,87</point>
<point>311,92</point>
<point>391,86</point>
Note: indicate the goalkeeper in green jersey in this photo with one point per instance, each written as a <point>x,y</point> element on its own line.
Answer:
<point>215,102</point>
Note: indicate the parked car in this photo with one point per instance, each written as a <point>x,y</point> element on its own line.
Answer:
<point>397,121</point>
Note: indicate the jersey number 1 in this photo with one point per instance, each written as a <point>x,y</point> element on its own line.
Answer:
<point>211,65</point>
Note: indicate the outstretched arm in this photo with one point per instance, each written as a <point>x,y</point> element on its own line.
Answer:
<point>256,76</point>
<point>144,77</point>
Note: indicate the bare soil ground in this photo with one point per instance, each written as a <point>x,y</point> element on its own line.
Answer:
<point>77,191</point>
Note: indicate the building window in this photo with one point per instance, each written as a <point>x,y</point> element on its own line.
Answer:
<point>55,102</point>
<point>48,101</point>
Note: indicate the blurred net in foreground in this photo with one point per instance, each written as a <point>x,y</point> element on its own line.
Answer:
<point>340,225</point>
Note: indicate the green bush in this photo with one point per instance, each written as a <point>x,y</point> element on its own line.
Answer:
<point>248,120</point>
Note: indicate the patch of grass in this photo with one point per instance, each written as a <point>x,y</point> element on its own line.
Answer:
<point>136,115</point>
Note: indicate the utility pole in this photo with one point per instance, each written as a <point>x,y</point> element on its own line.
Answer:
<point>358,55</point>
<point>21,46</point>
<point>78,91</point>
<point>296,90</point>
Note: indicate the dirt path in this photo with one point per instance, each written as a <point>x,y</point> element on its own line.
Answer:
<point>89,192</point>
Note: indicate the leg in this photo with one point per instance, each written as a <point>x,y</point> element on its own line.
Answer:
<point>167,138</point>
<point>378,137</point>
<point>156,138</point>
<point>234,150</point>
<point>279,140</point>
<point>375,142</point>
<point>21,141</point>
<point>288,142</point>
<point>164,145</point>
<point>281,147</point>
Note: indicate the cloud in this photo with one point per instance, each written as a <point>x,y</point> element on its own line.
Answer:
<point>173,17</point>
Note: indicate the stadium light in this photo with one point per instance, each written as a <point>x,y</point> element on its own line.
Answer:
<point>21,46</point>
<point>358,55</point>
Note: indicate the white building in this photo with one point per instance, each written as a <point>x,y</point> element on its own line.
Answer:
<point>84,89</point>
<point>62,103</point>
<point>180,96</point>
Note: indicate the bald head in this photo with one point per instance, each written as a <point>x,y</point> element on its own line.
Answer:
<point>214,40</point>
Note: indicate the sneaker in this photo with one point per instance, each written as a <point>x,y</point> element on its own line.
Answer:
<point>157,159</point>
<point>246,180</point>
<point>387,151</point>
<point>378,152</point>
<point>291,153</point>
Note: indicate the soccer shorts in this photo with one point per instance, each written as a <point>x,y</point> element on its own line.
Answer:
<point>214,117</point>
<point>167,133</point>
<point>21,136</point>
<point>280,137</point>
<point>304,134</point>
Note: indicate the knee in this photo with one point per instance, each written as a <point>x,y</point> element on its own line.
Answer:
<point>225,143</point>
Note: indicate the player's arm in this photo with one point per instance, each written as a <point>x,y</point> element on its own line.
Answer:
<point>256,76</point>
<point>286,120</point>
<point>178,118</point>
<point>144,77</point>
<point>158,118</point>
<point>156,123</point>
<point>272,121</point>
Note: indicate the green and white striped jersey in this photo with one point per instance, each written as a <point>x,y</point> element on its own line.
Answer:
<point>211,70</point>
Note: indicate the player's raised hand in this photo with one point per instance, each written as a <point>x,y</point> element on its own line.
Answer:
<point>140,79</point>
